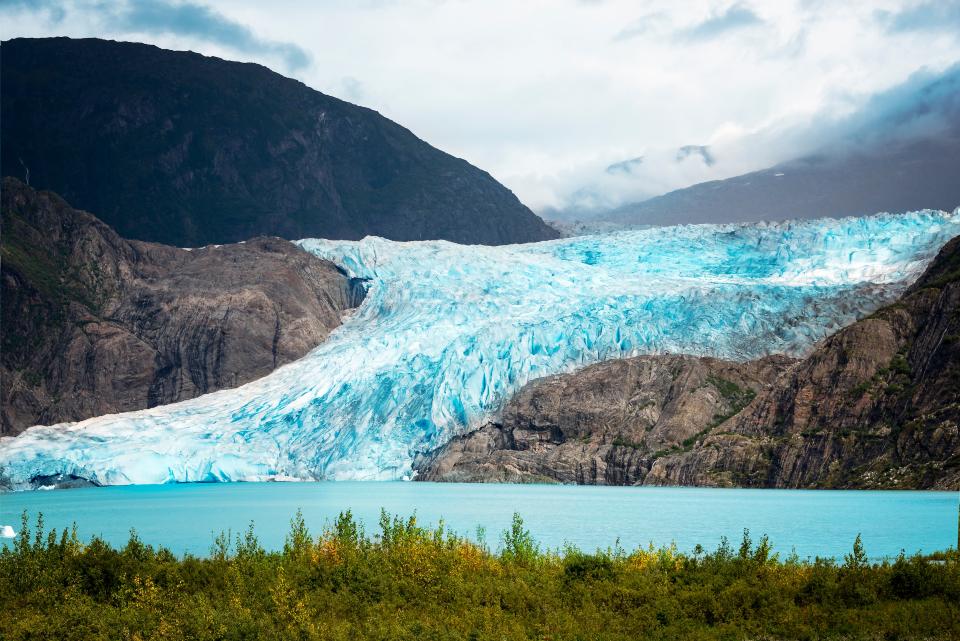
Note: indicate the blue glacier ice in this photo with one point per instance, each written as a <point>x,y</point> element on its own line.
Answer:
<point>447,332</point>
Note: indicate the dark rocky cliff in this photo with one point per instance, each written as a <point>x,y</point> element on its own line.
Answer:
<point>604,424</point>
<point>188,150</point>
<point>875,405</point>
<point>94,324</point>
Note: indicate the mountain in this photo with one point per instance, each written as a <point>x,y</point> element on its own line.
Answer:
<point>900,151</point>
<point>94,324</point>
<point>602,424</point>
<point>904,177</point>
<point>876,405</point>
<point>448,333</point>
<point>183,149</point>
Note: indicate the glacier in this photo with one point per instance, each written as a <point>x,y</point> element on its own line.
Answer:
<point>448,332</point>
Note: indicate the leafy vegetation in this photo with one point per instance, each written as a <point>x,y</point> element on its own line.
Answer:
<point>619,441</point>
<point>49,272</point>
<point>407,582</point>
<point>734,396</point>
<point>170,182</point>
<point>946,268</point>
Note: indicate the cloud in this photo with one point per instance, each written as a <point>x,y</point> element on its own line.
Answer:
<point>642,26</point>
<point>168,17</point>
<point>625,166</point>
<point>198,21</point>
<point>701,151</point>
<point>926,105</point>
<point>52,8</point>
<point>735,17</point>
<point>942,15</point>
<point>595,188</point>
<point>794,47</point>
<point>350,89</point>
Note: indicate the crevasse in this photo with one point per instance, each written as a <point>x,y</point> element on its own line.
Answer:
<point>447,332</point>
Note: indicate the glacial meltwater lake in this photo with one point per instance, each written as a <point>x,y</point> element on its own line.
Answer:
<point>185,517</point>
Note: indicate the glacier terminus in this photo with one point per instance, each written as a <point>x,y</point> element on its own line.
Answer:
<point>448,332</point>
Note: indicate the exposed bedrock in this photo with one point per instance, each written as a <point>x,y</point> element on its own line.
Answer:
<point>95,324</point>
<point>605,424</point>
<point>875,405</point>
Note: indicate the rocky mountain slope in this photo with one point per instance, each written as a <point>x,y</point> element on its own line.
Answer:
<point>875,405</point>
<point>903,177</point>
<point>188,150</point>
<point>603,424</point>
<point>900,152</point>
<point>95,324</point>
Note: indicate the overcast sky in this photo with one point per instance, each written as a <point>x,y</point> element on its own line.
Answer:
<point>546,96</point>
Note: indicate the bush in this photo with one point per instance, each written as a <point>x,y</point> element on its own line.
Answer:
<point>410,582</point>
<point>518,544</point>
<point>578,566</point>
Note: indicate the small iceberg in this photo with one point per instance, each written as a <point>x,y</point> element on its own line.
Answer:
<point>7,532</point>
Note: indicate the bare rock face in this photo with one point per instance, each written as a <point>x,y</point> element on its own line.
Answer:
<point>94,324</point>
<point>605,424</point>
<point>876,405</point>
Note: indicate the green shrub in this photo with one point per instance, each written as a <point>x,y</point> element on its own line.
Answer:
<point>519,545</point>
<point>410,582</point>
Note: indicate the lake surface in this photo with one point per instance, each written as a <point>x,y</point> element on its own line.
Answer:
<point>186,517</point>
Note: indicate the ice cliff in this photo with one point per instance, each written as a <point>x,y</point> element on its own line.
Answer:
<point>447,332</point>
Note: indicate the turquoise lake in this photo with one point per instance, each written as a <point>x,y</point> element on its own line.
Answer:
<point>186,517</point>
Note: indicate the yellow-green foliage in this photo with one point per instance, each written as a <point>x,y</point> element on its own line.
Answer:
<point>407,582</point>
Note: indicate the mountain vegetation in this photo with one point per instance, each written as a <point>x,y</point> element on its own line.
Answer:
<point>187,150</point>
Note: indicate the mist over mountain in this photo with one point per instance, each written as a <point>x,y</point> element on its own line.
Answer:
<point>904,177</point>
<point>900,152</point>
<point>189,150</point>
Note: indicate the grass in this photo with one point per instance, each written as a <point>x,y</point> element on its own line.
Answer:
<point>408,582</point>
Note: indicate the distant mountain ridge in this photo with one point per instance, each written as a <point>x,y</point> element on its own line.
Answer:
<point>189,150</point>
<point>907,177</point>
<point>900,151</point>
